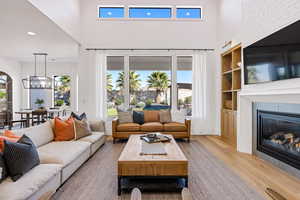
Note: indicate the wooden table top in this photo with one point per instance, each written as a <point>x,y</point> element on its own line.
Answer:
<point>132,150</point>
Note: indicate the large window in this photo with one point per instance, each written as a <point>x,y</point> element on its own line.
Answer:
<point>184,84</point>
<point>62,90</point>
<point>115,80</point>
<point>148,12</point>
<point>145,83</point>
<point>150,82</point>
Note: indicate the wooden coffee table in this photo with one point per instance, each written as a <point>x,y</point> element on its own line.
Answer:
<point>131,164</point>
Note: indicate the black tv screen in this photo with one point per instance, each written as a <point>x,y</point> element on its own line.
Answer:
<point>276,57</point>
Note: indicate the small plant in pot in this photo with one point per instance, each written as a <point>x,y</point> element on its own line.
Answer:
<point>40,103</point>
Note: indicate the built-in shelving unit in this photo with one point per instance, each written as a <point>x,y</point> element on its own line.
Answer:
<point>231,84</point>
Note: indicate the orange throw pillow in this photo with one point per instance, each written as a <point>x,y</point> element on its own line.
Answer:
<point>10,136</point>
<point>64,130</point>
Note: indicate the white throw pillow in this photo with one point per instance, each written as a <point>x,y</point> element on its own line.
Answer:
<point>178,116</point>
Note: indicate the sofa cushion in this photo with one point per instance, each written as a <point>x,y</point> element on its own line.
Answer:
<point>165,116</point>
<point>125,117</point>
<point>30,183</point>
<point>97,126</point>
<point>78,117</point>
<point>64,152</point>
<point>20,157</point>
<point>128,127</point>
<point>151,115</point>
<point>40,135</point>
<point>138,117</point>
<point>82,129</point>
<point>91,138</point>
<point>175,127</point>
<point>8,135</point>
<point>64,130</point>
<point>152,126</point>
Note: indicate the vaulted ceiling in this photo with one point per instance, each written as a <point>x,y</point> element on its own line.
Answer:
<point>17,18</point>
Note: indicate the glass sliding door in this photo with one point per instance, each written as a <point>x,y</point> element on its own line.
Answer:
<point>184,84</point>
<point>150,82</point>
<point>115,86</point>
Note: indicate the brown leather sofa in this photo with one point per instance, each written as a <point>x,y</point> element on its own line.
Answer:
<point>124,130</point>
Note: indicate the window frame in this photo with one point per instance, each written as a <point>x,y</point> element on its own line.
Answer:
<point>174,55</point>
<point>189,7</point>
<point>172,18</point>
<point>152,6</point>
<point>53,88</point>
<point>112,6</point>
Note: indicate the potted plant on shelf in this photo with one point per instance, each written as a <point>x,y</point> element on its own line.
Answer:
<point>40,103</point>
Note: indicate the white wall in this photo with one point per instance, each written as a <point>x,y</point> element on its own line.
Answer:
<point>13,69</point>
<point>128,33</point>
<point>53,69</point>
<point>65,13</point>
<point>148,33</point>
<point>247,21</point>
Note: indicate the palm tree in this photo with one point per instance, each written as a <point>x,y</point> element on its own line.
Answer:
<point>160,82</point>
<point>134,81</point>
<point>109,85</point>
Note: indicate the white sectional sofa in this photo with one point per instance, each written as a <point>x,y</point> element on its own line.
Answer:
<point>59,160</point>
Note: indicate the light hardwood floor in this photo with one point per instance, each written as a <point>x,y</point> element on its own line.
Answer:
<point>255,171</point>
<point>216,172</point>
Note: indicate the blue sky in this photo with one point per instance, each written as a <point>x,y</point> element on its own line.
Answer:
<point>182,76</point>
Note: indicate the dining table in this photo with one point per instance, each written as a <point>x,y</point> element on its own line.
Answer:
<point>28,114</point>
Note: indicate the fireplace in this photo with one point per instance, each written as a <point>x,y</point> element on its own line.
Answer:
<point>278,135</point>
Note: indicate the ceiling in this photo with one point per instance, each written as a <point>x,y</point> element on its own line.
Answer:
<point>17,17</point>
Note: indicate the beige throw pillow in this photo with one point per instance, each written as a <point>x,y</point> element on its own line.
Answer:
<point>165,116</point>
<point>82,129</point>
<point>125,117</point>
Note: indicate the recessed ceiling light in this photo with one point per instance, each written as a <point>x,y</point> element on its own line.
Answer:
<point>31,33</point>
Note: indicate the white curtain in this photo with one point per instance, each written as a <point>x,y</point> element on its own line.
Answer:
<point>100,89</point>
<point>200,121</point>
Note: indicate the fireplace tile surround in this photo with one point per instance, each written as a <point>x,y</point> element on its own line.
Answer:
<point>272,108</point>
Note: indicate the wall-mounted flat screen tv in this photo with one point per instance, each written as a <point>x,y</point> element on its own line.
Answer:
<point>276,57</point>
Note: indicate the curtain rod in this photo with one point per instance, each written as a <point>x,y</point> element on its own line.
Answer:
<point>141,49</point>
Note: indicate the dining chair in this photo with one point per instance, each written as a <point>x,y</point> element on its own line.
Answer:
<point>39,116</point>
<point>10,121</point>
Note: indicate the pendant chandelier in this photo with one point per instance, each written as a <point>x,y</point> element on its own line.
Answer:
<point>35,81</point>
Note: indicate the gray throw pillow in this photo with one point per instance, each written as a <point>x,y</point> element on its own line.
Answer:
<point>20,157</point>
<point>97,126</point>
<point>165,116</point>
<point>125,117</point>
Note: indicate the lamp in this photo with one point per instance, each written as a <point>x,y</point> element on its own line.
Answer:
<point>38,82</point>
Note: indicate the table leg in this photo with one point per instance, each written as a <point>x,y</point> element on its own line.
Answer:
<point>27,120</point>
<point>119,186</point>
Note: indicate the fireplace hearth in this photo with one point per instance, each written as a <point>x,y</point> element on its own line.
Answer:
<point>278,135</point>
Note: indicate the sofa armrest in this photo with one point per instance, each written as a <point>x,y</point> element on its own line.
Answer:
<point>114,125</point>
<point>188,123</point>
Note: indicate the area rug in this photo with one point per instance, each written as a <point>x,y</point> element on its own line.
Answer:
<point>209,178</point>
